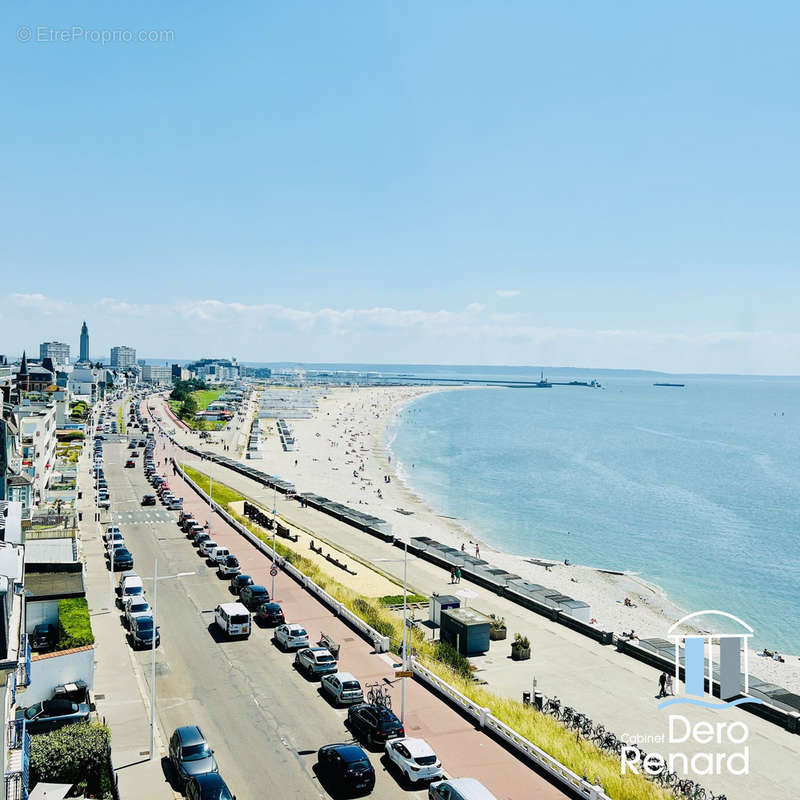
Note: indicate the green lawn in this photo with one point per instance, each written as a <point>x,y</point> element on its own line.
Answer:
<point>204,398</point>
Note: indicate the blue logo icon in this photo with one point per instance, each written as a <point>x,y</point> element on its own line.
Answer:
<point>698,664</point>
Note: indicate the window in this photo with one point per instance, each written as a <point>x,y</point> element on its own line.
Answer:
<point>239,619</point>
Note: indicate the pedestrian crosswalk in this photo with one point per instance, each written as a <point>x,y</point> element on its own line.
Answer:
<point>142,517</point>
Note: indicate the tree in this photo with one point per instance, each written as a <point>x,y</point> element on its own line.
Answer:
<point>188,409</point>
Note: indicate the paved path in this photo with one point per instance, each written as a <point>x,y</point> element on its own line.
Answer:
<point>610,687</point>
<point>464,749</point>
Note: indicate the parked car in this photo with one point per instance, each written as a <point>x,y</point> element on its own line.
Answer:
<point>315,661</point>
<point>238,582</point>
<point>219,554</point>
<point>270,614</point>
<point>190,754</point>
<point>229,566</point>
<point>343,688</point>
<point>175,504</point>
<point>200,538</point>
<point>253,596</point>
<point>131,586</point>
<point>459,789</point>
<point>206,546</point>
<point>290,636</point>
<point>415,759</point>
<point>347,767</point>
<point>195,529</point>
<point>376,724</point>
<point>208,787</point>
<point>233,619</point>
<point>136,607</point>
<point>142,632</point>
<point>104,502</point>
<point>113,533</point>
<point>149,500</point>
<point>48,715</point>
<point>44,637</point>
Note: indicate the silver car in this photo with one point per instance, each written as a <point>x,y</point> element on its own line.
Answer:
<point>343,688</point>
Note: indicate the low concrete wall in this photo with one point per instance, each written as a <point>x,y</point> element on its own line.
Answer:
<point>52,669</point>
<point>524,748</point>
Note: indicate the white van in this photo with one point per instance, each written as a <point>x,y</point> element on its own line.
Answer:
<point>131,587</point>
<point>233,619</point>
<point>219,554</point>
<point>459,789</point>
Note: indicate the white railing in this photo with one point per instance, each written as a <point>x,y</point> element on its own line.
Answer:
<point>513,739</point>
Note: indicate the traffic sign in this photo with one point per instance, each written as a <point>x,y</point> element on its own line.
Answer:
<point>273,571</point>
<point>403,673</point>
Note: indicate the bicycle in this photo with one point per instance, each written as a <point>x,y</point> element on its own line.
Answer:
<point>378,695</point>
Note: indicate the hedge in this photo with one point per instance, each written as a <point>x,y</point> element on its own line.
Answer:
<point>74,626</point>
<point>73,754</point>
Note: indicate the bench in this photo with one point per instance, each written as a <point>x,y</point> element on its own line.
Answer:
<point>327,642</point>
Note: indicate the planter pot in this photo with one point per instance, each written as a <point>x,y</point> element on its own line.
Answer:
<point>496,634</point>
<point>520,653</point>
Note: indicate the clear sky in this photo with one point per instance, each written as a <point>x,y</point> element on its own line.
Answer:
<point>577,183</point>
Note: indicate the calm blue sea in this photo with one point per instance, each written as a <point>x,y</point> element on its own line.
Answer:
<point>696,489</point>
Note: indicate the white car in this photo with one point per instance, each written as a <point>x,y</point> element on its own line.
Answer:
<point>291,636</point>
<point>206,547</point>
<point>343,688</point>
<point>415,759</point>
<point>136,607</point>
<point>219,554</point>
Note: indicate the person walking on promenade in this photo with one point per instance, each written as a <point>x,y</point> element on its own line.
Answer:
<point>662,685</point>
<point>458,574</point>
<point>477,551</point>
<point>452,574</point>
<point>668,685</point>
<point>462,547</point>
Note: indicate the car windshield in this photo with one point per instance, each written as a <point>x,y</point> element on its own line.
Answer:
<point>137,607</point>
<point>298,632</point>
<point>144,624</point>
<point>239,619</point>
<point>325,658</point>
<point>425,761</point>
<point>351,685</point>
<point>32,711</point>
<point>195,751</point>
<point>132,591</point>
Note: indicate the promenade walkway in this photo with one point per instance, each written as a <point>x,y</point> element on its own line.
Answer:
<point>610,687</point>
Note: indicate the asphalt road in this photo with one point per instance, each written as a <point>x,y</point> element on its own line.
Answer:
<point>264,721</point>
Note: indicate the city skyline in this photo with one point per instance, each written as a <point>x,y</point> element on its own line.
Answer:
<point>606,189</point>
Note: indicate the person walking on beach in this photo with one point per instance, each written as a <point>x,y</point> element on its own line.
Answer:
<point>462,547</point>
<point>662,685</point>
<point>477,551</point>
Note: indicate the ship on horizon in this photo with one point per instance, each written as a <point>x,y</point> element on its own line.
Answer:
<point>679,385</point>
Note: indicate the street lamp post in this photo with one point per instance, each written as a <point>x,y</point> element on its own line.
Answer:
<point>155,580</point>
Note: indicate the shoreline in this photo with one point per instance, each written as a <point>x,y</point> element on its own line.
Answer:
<point>351,434</point>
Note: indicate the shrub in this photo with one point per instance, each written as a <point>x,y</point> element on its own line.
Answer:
<point>74,626</point>
<point>70,436</point>
<point>397,599</point>
<point>73,754</point>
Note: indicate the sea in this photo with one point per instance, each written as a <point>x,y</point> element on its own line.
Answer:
<point>695,489</point>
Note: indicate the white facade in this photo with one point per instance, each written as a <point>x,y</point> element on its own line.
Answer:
<point>57,351</point>
<point>83,384</point>
<point>37,427</point>
<point>156,373</point>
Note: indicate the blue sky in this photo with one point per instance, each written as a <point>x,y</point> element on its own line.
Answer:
<point>587,184</point>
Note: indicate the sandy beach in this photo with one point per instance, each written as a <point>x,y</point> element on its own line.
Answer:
<point>342,453</point>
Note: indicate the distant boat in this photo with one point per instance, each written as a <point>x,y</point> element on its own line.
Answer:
<point>670,384</point>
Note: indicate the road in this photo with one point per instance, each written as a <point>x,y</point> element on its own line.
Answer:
<point>264,721</point>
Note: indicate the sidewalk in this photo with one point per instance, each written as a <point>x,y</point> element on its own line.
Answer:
<point>118,690</point>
